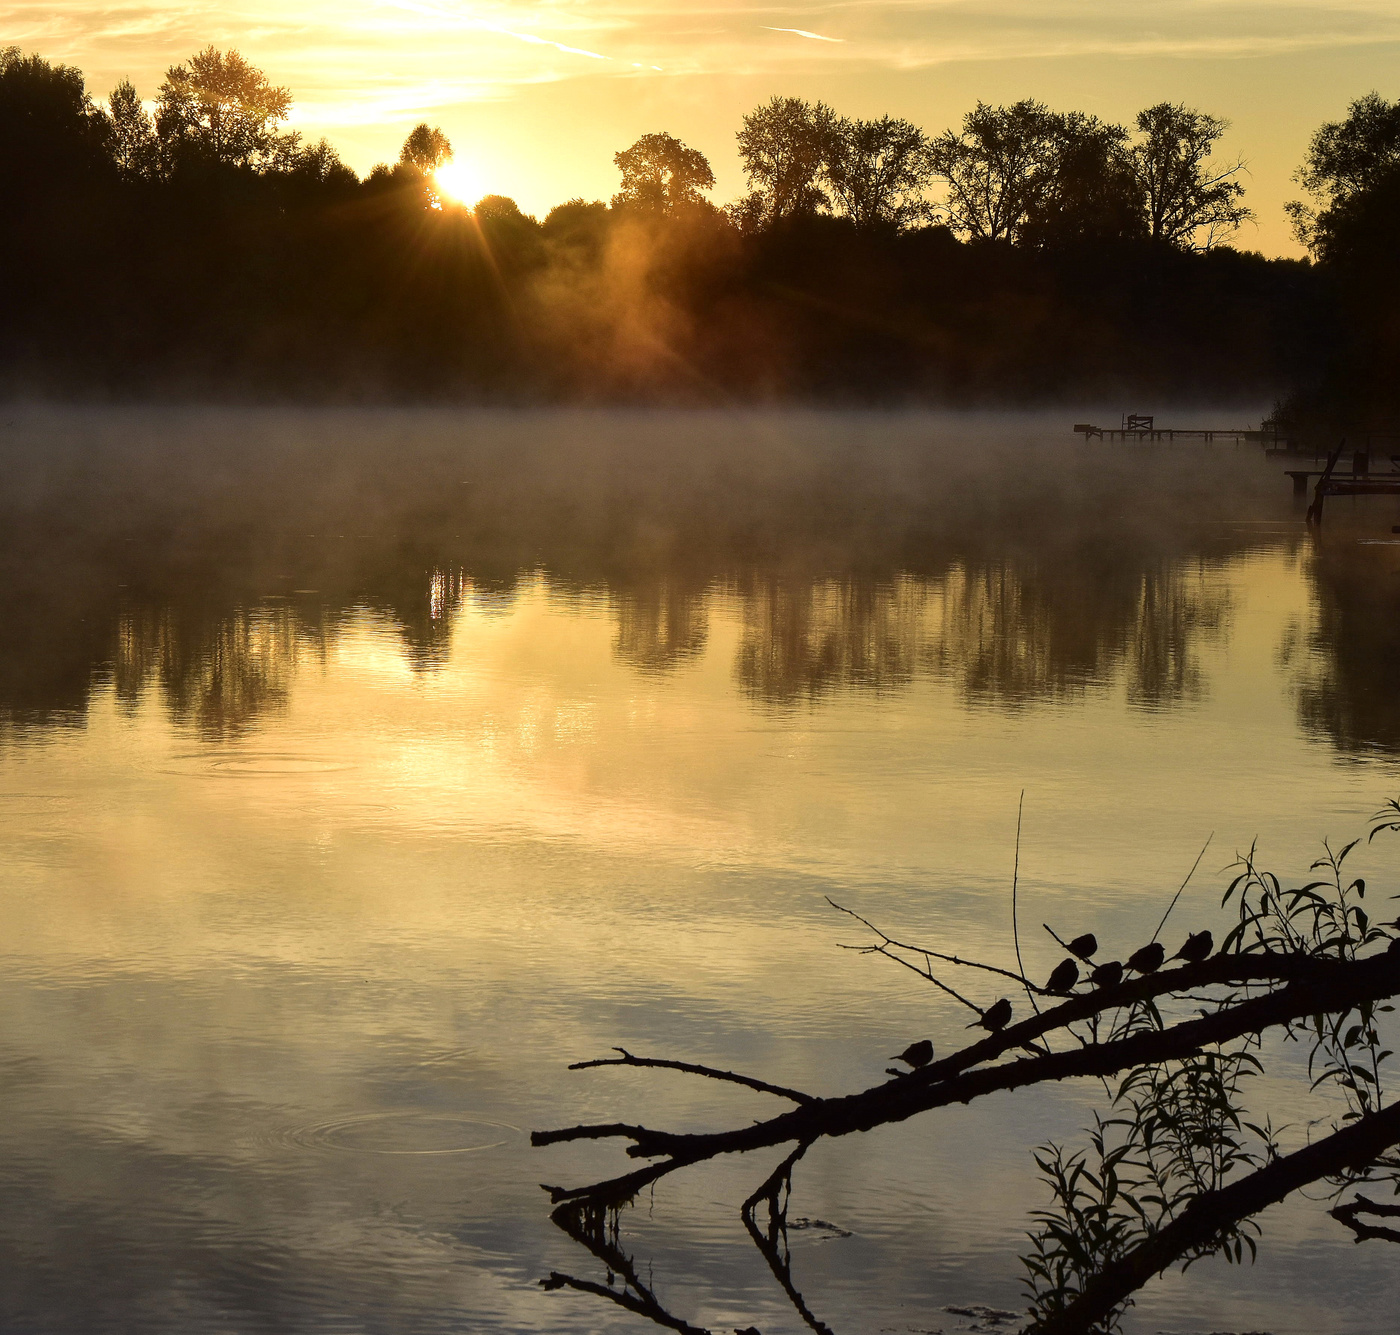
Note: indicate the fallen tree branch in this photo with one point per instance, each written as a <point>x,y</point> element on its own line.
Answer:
<point>1321,987</point>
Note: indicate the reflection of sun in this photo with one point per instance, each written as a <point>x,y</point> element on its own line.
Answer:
<point>457,182</point>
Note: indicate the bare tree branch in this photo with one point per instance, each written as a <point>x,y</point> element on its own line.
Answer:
<point>690,1068</point>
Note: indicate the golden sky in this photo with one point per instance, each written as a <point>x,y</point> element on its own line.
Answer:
<point>537,97</point>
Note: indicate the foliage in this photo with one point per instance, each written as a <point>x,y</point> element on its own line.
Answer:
<point>784,147</point>
<point>1180,1133</point>
<point>1191,202</point>
<point>661,175</point>
<point>217,109</point>
<point>425,149</point>
<point>876,172</point>
<point>995,166</point>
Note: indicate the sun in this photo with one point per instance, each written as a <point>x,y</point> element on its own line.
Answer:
<point>457,182</point>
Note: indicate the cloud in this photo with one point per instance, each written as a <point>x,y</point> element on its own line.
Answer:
<point>802,32</point>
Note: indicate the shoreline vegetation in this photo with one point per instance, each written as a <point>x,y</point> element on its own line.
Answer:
<point>193,247</point>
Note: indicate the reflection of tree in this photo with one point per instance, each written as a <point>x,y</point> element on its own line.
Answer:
<point>1006,633</point>
<point>425,609</point>
<point>1177,610</point>
<point>1346,666</point>
<point>660,626</point>
<point>216,676</point>
<point>803,639</point>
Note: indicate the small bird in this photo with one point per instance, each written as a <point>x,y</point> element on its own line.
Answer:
<point>916,1054</point>
<point>1107,975</point>
<point>994,1017</point>
<point>1198,946</point>
<point>1148,959</point>
<point>1065,976</point>
<point>1084,946</point>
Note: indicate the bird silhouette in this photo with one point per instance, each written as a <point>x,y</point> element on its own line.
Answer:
<point>1084,946</point>
<point>1109,974</point>
<point>916,1054</point>
<point>1148,959</point>
<point>994,1017</point>
<point>1198,946</point>
<point>1065,976</point>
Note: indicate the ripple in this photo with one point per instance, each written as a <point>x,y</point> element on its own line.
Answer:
<point>254,765</point>
<point>408,1132</point>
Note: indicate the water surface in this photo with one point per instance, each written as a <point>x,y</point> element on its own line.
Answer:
<point>358,772</point>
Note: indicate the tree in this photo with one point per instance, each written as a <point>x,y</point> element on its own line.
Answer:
<point>1191,202</point>
<point>218,109</point>
<point>1351,165</point>
<point>1087,188</point>
<point>133,142</point>
<point>426,149</point>
<point>49,127</point>
<point>660,175</point>
<point>995,166</point>
<point>784,146</point>
<point>876,171</point>
<point>320,164</point>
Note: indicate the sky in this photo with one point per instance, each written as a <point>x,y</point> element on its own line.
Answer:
<point>538,96</point>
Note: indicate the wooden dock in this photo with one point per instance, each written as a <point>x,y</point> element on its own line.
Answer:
<point>1142,429</point>
<point>1359,482</point>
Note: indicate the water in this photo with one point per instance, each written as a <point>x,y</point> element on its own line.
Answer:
<point>360,771</point>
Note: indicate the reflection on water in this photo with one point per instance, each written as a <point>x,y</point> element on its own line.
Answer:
<point>357,773</point>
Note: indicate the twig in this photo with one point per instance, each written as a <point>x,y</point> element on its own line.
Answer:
<point>924,950</point>
<point>690,1068</point>
<point>1015,881</point>
<point>1184,884</point>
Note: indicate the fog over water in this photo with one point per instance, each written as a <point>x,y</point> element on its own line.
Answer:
<point>361,770</point>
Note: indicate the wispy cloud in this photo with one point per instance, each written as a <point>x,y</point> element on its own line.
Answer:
<point>802,32</point>
<point>482,25</point>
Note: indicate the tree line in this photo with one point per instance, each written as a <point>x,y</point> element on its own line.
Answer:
<point>1022,254</point>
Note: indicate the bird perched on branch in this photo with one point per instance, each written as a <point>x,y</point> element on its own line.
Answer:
<point>916,1054</point>
<point>995,1017</point>
<point>1065,976</point>
<point>1107,975</point>
<point>1148,959</point>
<point>1084,946</point>
<point>1198,946</point>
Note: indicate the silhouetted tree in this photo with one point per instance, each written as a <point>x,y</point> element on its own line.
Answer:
<point>49,127</point>
<point>995,166</point>
<point>132,142</point>
<point>876,171</point>
<point>577,223</point>
<point>784,146</point>
<point>426,149</point>
<point>1191,202</point>
<point>218,109</point>
<point>1352,166</point>
<point>1087,188</point>
<point>660,175</point>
